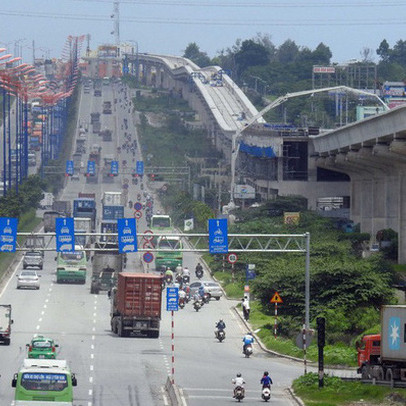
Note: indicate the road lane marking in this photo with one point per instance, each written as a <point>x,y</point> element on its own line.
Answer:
<point>12,275</point>
<point>90,392</point>
<point>91,379</point>
<point>91,367</point>
<point>93,337</point>
<point>94,329</point>
<point>37,327</point>
<point>182,396</point>
<point>166,403</point>
<point>42,313</point>
<point>92,356</point>
<point>94,314</point>
<point>40,319</point>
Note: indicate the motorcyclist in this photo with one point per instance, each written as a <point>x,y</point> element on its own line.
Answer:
<point>196,297</point>
<point>182,296</point>
<point>199,269</point>
<point>220,326</point>
<point>178,270</point>
<point>248,339</point>
<point>266,380</point>
<point>201,291</point>
<point>169,273</point>
<point>239,382</point>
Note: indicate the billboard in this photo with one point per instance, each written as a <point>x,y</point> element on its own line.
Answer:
<point>244,192</point>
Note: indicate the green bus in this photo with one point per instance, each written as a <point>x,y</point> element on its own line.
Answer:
<point>161,223</point>
<point>171,256</point>
<point>71,266</point>
<point>40,381</point>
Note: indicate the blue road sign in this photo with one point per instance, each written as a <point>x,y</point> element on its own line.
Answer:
<point>140,168</point>
<point>148,257</point>
<point>114,168</point>
<point>218,236</point>
<point>127,235</point>
<point>8,234</point>
<point>138,206</point>
<point>69,168</point>
<point>91,167</point>
<point>65,234</point>
<point>172,299</point>
<point>250,272</point>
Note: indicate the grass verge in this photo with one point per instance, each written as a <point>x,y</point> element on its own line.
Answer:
<point>339,393</point>
<point>27,222</point>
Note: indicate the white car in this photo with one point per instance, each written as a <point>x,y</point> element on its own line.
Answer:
<point>28,279</point>
<point>210,287</point>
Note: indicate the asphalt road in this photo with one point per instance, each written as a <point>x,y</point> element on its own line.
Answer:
<point>132,371</point>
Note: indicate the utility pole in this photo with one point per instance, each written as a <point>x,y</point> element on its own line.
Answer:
<point>88,45</point>
<point>116,15</point>
<point>33,53</point>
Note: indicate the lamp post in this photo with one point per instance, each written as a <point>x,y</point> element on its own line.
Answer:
<point>136,61</point>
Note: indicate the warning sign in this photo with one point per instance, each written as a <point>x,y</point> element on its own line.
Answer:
<point>276,298</point>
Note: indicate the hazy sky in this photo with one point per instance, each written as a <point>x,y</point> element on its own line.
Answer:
<point>167,26</point>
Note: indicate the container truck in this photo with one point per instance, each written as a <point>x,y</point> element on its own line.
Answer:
<point>94,117</point>
<point>83,225</point>
<point>106,266</point>
<point>383,356</point>
<point>5,324</point>
<point>112,199</point>
<point>63,206</point>
<point>107,176</point>
<point>96,127</point>
<point>49,220</point>
<point>85,207</point>
<point>43,381</point>
<point>136,304</point>
<point>107,107</point>
<point>107,135</point>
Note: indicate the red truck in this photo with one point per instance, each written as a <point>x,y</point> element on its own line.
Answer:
<point>136,304</point>
<point>383,356</point>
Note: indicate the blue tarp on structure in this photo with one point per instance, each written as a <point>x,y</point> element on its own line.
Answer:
<point>260,152</point>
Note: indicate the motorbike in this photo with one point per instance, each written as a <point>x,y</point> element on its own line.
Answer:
<point>199,273</point>
<point>197,305</point>
<point>220,335</point>
<point>239,393</point>
<point>248,350</point>
<point>186,278</point>
<point>142,186</point>
<point>266,393</point>
<point>130,204</point>
<point>168,279</point>
<point>206,298</point>
<point>182,302</point>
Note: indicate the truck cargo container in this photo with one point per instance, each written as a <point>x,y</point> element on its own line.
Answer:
<point>136,304</point>
<point>83,225</point>
<point>113,212</point>
<point>63,206</point>
<point>82,195</point>
<point>383,356</point>
<point>107,107</point>
<point>107,176</point>
<point>96,127</point>
<point>85,207</point>
<point>107,135</point>
<point>5,324</point>
<point>94,117</point>
<point>112,199</point>
<point>49,220</point>
<point>106,266</point>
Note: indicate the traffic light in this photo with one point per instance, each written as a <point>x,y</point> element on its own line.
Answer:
<point>321,331</point>
<point>152,176</point>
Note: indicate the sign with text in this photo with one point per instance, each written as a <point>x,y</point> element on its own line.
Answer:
<point>8,234</point>
<point>140,168</point>
<point>114,168</point>
<point>127,235</point>
<point>91,167</point>
<point>218,236</point>
<point>172,299</point>
<point>65,234</point>
<point>69,168</point>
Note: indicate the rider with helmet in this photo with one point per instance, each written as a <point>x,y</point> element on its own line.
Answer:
<point>239,382</point>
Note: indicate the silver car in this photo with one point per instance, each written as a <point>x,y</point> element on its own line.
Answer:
<point>210,287</point>
<point>32,259</point>
<point>28,279</point>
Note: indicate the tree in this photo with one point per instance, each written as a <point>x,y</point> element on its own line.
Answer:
<point>251,54</point>
<point>193,53</point>
<point>288,52</point>
<point>398,54</point>
<point>367,55</point>
<point>384,51</point>
<point>322,54</point>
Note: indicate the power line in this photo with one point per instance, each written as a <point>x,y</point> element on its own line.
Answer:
<point>253,5</point>
<point>172,21</point>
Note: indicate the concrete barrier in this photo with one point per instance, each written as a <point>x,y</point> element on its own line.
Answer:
<point>175,396</point>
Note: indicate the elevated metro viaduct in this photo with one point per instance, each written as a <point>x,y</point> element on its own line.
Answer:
<point>373,153</point>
